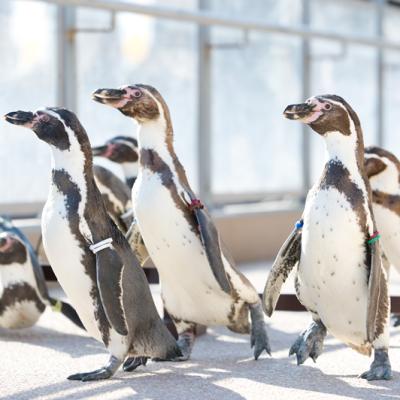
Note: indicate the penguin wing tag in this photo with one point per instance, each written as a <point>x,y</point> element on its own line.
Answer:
<point>374,285</point>
<point>287,258</point>
<point>109,272</point>
<point>136,243</point>
<point>210,239</point>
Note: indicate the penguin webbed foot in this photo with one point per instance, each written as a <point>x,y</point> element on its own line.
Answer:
<point>132,363</point>
<point>258,335</point>
<point>310,343</point>
<point>185,343</point>
<point>380,368</point>
<point>102,373</point>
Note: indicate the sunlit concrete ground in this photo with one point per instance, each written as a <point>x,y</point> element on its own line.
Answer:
<point>35,362</point>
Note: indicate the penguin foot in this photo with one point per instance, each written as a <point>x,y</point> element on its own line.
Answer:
<point>103,373</point>
<point>132,363</point>
<point>380,368</point>
<point>310,343</point>
<point>185,343</point>
<point>396,319</point>
<point>258,335</point>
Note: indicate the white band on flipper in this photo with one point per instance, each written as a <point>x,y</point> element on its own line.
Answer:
<point>104,244</point>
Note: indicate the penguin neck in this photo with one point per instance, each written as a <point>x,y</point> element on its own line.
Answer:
<point>157,136</point>
<point>77,164</point>
<point>346,149</point>
<point>387,181</point>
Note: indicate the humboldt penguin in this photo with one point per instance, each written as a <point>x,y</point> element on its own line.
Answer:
<point>23,291</point>
<point>199,282</point>
<point>340,278</point>
<point>383,170</point>
<point>122,150</point>
<point>91,258</point>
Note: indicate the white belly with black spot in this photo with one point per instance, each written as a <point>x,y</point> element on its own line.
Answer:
<point>65,256</point>
<point>388,224</point>
<point>332,275</point>
<point>189,288</point>
<point>21,313</point>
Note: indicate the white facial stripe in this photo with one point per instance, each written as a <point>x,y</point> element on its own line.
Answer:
<point>126,143</point>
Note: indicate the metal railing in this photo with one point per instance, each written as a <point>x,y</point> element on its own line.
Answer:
<point>205,19</point>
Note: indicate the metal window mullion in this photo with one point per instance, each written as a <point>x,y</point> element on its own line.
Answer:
<point>380,4</point>
<point>66,58</point>
<point>204,148</point>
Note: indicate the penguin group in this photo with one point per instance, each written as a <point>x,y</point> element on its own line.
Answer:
<point>98,230</point>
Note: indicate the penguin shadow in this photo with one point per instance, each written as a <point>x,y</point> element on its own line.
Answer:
<point>60,341</point>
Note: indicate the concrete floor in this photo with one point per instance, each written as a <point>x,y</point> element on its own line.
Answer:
<point>35,363</point>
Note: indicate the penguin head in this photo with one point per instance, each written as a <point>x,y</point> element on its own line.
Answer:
<point>141,102</point>
<point>12,249</point>
<point>56,126</point>
<point>383,169</point>
<point>324,114</point>
<point>119,149</point>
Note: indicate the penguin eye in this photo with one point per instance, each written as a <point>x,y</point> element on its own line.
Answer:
<point>328,106</point>
<point>137,93</point>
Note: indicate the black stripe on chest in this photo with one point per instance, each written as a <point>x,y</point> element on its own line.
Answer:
<point>19,292</point>
<point>62,180</point>
<point>151,160</point>
<point>337,176</point>
<point>389,201</point>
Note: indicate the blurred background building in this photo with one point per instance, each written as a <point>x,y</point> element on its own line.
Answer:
<point>227,69</point>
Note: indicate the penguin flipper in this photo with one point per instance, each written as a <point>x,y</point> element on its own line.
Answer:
<point>287,258</point>
<point>67,310</point>
<point>211,242</point>
<point>374,288</point>
<point>109,268</point>
<point>136,242</point>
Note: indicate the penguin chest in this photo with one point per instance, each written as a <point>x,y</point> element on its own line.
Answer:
<point>332,276</point>
<point>69,260</point>
<point>388,224</point>
<point>20,304</point>
<point>190,291</point>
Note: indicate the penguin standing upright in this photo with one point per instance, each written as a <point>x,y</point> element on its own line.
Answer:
<point>90,256</point>
<point>199,282</point>
<point>23,291</point>
<point>122,150</point>
<point>383,170</point>
<point>340,278</point>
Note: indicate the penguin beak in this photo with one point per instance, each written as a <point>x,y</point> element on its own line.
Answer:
<point>116,98</point>
<point>298,111</point>
<point>99,151</point>
<point>24,118</point>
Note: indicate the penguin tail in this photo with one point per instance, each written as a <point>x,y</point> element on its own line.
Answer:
<point>67,310</point>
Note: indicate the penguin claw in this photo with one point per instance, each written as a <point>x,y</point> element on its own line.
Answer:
<point>134,362</point>
<point>309,343</point>
<point>380,368</point>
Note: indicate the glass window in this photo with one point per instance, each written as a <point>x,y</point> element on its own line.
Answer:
<point>28,82</point>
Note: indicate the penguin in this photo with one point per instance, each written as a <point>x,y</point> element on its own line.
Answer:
<point>340,279</point>
<point>383,170</point>
<point>23,291</point>
<point>122,150</point>
<point>116,197</point>
<point>199,281</point>
<point>90,256</point>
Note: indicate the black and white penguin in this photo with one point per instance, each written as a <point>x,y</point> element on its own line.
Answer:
<point>199,282</point>
<point>124,151</point>
<point>23,291</point>
<point>91,258</point>
<point>340,278</point>
<point>383,170</point>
